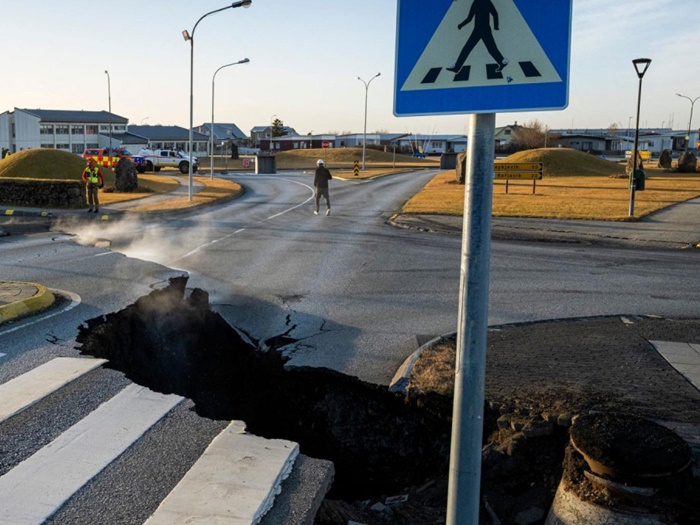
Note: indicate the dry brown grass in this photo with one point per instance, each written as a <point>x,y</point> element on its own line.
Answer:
<point>558,196</point>
<point>435,370</point>
<point>216,189</point>
<point>148,185</point>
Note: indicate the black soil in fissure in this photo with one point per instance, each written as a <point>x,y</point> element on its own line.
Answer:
<point>378,443</point>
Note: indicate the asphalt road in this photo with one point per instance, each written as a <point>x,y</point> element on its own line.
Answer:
<point>348,289</point>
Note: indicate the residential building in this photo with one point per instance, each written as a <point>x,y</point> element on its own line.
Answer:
<point>259,133</point>
<point>67,130</point>
<point>432,144</point>
<point>164,137</point>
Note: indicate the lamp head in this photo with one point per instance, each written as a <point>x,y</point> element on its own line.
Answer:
<point>186,35</point>
<point>242,3</point>
<point>641,65</point>
<point>244,61</point>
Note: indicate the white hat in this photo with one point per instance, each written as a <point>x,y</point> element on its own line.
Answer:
<point>319,162</point>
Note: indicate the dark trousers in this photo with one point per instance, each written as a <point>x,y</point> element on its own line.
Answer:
<point>92,197</point>
<point>323,192</point>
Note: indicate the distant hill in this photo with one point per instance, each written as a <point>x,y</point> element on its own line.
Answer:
<point>51,164</point>
<point>562,162</point>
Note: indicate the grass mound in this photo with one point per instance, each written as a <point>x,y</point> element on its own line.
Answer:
<point>48,164</point>
<point>566,162</point>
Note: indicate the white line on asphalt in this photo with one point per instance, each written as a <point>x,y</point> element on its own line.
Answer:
<point>209,243</point>
<point>75,300</point>
<point>37,487</point>
<point>29,388</point>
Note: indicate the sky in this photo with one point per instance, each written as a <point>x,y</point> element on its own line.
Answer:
<point>305,60</point>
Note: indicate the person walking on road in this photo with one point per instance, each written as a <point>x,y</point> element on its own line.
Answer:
<point>481,12</point>
<point>93,181</point>
<point>321,178</point>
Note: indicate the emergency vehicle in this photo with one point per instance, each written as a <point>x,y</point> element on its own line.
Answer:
<point>102,157</point>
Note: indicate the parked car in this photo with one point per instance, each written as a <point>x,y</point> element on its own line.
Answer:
<point>167,158</point>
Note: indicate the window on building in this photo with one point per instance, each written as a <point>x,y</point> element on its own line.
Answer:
<point>104,128</point>
<point>63,146</point>
<point>13,130</point>
<point>78,148</point>
<point>91,130</point>
<point>77,130</point>
<point>47,146</point>
<point>436,145</point>
<point>46,129</point>
<point>120,128</point>
<point>92,145</point>
<point>61,129</point>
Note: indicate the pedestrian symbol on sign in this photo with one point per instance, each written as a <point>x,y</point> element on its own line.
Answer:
<point>481,13</point>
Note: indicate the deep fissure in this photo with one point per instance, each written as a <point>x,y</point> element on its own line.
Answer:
<point>381,443</point>
<point>378,443</point>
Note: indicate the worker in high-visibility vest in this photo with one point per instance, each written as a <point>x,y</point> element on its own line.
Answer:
<point>93,181</point>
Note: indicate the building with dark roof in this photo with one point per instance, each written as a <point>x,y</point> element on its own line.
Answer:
<point>167,137</point>
<point>67,130</point>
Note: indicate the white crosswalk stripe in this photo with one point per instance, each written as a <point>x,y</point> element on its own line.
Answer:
<point>235,481</point>
<point>241,469</point>
<point>22,392</point>
<point>37,487</point>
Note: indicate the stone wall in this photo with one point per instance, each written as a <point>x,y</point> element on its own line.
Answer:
<point>43,193</point>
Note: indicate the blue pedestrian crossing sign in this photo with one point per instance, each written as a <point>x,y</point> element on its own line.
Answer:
<point>481,56</point>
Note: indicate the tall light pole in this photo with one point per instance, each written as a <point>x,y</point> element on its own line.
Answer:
<point>640,65</point>
<point>690,120</point>
<point>271,126</point>
<point>211,131</point>
<point>109,101</point>
<point>190,36</point>
<point>144,118</point>
<point>364,135</point>
<point>629,127</point>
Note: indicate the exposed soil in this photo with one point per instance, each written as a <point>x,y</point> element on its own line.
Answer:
<point>391,451</point>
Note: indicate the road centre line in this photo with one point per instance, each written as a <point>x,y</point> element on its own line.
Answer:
<point>210,243</point>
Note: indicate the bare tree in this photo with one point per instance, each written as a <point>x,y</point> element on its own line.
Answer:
<point>613,129</point>
<point>530,135</point>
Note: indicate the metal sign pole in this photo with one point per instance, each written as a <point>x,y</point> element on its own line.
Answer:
<point>470,366</point>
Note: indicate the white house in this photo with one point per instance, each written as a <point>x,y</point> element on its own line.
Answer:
<point>67,130</point>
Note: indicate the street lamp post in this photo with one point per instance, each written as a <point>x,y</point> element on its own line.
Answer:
<point>364,135</point>
<point>640,65</point>
<point>109,102</point>
<point>211,131</point>
<point>272,122</point>
<point>190,36</point>
<point>690,120</point>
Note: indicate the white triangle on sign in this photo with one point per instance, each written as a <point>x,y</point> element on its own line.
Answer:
<point>514,39</point>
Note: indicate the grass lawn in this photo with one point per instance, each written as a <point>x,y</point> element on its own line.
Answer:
<point>215,189</point>
<point>599,193</point>
<point>601,198</point>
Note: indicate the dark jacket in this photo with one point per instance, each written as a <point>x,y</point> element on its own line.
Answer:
<point>322,177</point>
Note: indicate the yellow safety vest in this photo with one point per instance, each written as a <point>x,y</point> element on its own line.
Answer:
<point>92,175</point>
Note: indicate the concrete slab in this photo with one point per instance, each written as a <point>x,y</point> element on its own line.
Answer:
<point>684,357</point>
<point>234,482</point>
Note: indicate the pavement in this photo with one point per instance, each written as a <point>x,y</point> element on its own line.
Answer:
<point>674,228</point>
